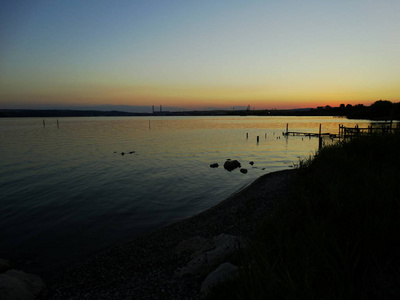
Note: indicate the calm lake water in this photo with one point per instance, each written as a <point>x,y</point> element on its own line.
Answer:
<point>68,192</point>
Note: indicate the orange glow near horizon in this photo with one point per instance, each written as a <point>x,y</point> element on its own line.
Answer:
<point>200,55</point>
<point>188,97</point>
<point>197,98</point>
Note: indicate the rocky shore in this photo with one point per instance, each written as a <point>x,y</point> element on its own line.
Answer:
<point>17,284</point>
<point>177,261</point>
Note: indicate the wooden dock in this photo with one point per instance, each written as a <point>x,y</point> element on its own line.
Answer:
<point>347,132</point>
<point>377,129</point>
<point>344,132</point>
<point>309,134</point>
<point>295,133</point>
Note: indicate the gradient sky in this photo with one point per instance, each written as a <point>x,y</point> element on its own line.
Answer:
<point>199,54</point>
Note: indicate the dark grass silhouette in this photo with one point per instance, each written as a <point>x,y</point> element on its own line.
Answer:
<point>337,236</point>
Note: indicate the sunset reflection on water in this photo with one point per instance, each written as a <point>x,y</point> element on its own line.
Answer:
<point>72,185</point>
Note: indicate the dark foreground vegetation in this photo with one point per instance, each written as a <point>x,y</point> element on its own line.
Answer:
<point>337,236</point>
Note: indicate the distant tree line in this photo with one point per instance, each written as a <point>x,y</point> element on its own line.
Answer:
<point>379,110</point>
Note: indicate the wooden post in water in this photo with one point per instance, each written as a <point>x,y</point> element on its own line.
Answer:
<point>58,125</point>
<point>265,135</point>
<point>287,128</point>
<point>320,138</point>
<point>258,139</point>
<point>247,136</point>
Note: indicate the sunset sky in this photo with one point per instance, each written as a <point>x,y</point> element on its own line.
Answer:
<point>198,54</point>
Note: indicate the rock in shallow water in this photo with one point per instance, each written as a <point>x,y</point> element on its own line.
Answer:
<point>231,165</point>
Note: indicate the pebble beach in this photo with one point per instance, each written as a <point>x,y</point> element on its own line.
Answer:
<point>148,266</point>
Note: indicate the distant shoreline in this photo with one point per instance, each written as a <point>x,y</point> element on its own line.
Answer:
<point>32,113</point>
<point>380,110</point>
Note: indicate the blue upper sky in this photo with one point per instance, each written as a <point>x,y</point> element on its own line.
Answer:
<point>199,53</point>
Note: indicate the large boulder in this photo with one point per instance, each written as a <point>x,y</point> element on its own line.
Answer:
<point>210,255</point>
<point>231,165</point>
<point>223,273</point>
<point>15,284</point>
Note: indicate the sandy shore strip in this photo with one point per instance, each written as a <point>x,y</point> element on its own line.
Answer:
<point>144,268</point>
